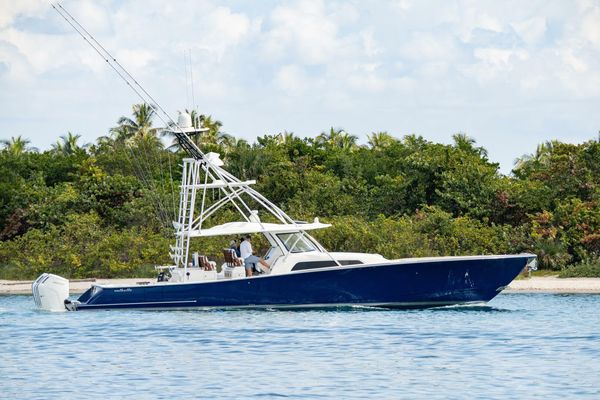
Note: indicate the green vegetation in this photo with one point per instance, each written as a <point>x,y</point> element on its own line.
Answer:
<point>584,269</point>
<point>105,209</point>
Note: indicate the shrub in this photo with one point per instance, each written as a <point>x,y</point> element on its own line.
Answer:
<point>586,269</point>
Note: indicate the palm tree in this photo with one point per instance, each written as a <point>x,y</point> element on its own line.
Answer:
<point>213,126</point>
<point>17,145</point>
<point>107,142</point>
<point>545,150</point>
<point>227,141</point>
<point>464,142</point>
<point>521,162</point>
<point>286,138</point>
<point>140,127</point>
<point>57,147</point>
<point>336,138</point>
<point>541,156</point>
<point>347,141</point>
<point>329,139</point>
<point>68,144</point>
<point>380,140</point>
<point>241,143</point>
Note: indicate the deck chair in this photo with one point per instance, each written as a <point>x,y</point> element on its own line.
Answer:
<point>205,264</point>
<point>231,259</point>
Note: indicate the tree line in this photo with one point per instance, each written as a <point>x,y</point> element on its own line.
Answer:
<point>105,209</point>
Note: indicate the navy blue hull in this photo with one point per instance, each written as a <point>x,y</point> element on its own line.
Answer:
<point>421,283</point>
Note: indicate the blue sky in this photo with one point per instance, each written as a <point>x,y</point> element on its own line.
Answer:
<point>511,74</point>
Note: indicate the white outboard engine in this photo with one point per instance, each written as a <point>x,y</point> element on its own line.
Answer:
<point>50,292</point>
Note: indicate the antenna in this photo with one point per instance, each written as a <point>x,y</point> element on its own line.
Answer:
<point>192,79</point>
<point>187,89</point>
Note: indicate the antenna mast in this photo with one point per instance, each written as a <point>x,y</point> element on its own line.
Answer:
<point>192,79</point>
<point>187,89</point>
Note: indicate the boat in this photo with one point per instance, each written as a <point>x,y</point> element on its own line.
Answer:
<point>301,273</point>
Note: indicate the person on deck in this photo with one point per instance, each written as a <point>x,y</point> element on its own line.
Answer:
<point>233,245</point>
<point>250,260</point>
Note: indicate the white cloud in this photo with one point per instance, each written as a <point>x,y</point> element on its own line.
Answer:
<point>402,5</point>
<point>370,45</point>
<point>15,66</point>
<point>292,79</point>
<point>427,46</point>
<point>500,59</point>
<point>470,19</point>
<point>572,61</point>
<point>10,9</point>
<point>95,16</point>
<point>38,52</point>
<point>365,77</point>
<point>590,26</point>
<point>308,32</point>
<point>531,30</point>
<point>135,60</point>
<point>497,63</point>
<point>304,31</point>
<point>224,30</point>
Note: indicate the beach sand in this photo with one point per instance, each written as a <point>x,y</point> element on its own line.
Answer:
<point>76,286</point>
<point>542,284</point>
<point>554,284</point>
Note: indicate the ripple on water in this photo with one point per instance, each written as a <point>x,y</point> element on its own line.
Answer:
<point>518,346</point>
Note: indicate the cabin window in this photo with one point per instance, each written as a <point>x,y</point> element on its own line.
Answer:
<point>322,264</point>
<point>296,242</point>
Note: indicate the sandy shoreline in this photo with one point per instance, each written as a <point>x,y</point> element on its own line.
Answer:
<point>542,284</point>
<point>76,286</point>
<point>553,284</point>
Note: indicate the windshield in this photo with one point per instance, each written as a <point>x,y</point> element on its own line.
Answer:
<point>296,243</point>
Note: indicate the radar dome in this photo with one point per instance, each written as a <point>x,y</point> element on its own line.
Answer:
<point>184,120</point>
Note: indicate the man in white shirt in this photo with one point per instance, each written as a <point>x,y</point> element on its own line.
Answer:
<point>250,259</point>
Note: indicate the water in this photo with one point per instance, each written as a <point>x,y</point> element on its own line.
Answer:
<point>520,346</point>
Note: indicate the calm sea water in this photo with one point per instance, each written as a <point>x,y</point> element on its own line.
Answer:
<point>520,346</point>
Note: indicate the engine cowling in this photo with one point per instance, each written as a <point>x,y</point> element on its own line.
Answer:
<point>50,292</point>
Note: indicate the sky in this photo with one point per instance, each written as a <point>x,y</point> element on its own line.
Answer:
<point>510,74</point>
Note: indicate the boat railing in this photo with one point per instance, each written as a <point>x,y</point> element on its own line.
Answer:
<point>161,267</point>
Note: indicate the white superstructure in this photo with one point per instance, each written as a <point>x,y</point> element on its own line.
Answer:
<point>201,178</point>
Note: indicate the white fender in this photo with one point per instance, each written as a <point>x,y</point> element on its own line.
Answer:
<point>50,292</point>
